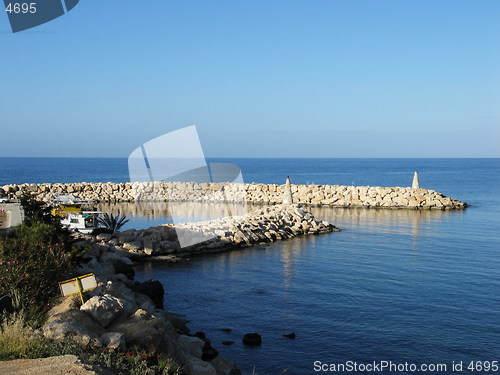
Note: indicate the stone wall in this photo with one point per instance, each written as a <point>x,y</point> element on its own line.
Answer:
<point>326,195</point>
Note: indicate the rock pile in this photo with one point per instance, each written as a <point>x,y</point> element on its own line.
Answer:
<point>264,225</point>
<point>325,195</point>
<point>120,315</point>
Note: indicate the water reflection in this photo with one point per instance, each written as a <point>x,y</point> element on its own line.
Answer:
<point>396,221</point>
<point>156,213</point>
<point>290,251</point>
<point>381,220</point>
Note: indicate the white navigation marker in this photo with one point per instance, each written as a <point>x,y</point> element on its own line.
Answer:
<point>287,197</point>
<point>416,183</point>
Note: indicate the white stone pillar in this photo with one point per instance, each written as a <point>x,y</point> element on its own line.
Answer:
<point>287,198</point>
<point>416,183</point>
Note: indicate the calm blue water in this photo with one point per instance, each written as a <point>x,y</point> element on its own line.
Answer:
<point>407,286</point>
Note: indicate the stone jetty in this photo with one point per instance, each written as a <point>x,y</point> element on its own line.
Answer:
<point>316,195</point>
<point>260,226</point>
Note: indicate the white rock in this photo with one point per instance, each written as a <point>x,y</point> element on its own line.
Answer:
<point>103,309</point>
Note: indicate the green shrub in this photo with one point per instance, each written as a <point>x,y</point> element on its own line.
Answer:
<point>33,259</point>
<point>112,222</point>
<point>134,363</point>
<point>37,211</point>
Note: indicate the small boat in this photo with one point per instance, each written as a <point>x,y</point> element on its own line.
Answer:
<point>69,204</point>
<point>76,214</point>
<point>83,221</point>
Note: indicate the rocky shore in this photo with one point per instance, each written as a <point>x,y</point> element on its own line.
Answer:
<point>318,195</point>
<point>125,314</point>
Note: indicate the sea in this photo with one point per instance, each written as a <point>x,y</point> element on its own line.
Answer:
<point>395,292</point>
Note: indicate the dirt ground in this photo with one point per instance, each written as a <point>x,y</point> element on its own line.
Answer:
<point>63,365</point>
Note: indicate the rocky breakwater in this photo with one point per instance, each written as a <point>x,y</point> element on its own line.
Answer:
<point>122,314</point>
<point>260,226</point>
<point>320,195</point>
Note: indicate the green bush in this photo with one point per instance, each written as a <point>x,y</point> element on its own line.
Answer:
<point>112,222</point>
<point>37,212</point>
<point>33,259</point>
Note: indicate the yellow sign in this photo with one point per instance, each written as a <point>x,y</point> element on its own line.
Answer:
<point>78,285</point>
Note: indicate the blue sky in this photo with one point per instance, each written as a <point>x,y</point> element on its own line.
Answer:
<point>274,78</point>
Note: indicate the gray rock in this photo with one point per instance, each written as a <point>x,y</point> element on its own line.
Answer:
<point>103,237</point>
<point>224,366</point>
<point>103,309</point>
<point>133,246</point>
<point>75,325</point>
<point>113,340</point>
<point>142,330</point>
<point>148,246</point>
<point>195,366</point>
<point>114,242</point>
<point>192,345</point>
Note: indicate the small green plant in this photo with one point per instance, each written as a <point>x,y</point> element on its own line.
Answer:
<point>112,222</point>
<point>133,363</point>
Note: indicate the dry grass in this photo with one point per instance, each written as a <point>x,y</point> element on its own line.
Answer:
<point>17,339</point>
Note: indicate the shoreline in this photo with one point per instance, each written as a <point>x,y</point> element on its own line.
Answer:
<point>126,314</point>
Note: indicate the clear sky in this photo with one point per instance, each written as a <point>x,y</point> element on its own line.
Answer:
<point>259,78</point>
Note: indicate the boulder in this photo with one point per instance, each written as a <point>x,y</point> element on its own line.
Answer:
<point>224,366</point>
<point>143,331</point>
<point>195,366</point>
<point>154,290</point>
<point>148,246</point>
<point>125,269</point>
<point>103,309</point>
<point>192,345</point>
<point>252,339</point>
<point>70,303</point>
<point>113,340</point>
<point>103,237</point>
<point>133,246</point>
<point>75,325</point>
